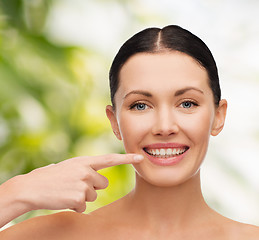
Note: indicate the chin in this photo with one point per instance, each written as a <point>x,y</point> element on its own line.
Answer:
<point>164,177</point>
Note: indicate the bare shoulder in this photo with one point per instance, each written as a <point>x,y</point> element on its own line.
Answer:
<point>227,228</point>
<point>242,231</point>
<point>65,225</point>
<point>62,225</point>
<point>249,232</point>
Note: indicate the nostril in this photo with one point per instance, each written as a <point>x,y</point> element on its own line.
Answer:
<point>165,123</point>
<point>165,131</point>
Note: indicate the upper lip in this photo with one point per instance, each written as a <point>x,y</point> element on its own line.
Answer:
<point>165,145</point>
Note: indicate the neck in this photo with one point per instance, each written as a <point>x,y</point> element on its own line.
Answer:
<point>180,204</point>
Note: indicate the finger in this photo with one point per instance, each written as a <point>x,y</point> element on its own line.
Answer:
<point>80,208</point>
<point>100,162</point>
<point>100,181</point>
<point>90,195</point>
<point>95,179</point>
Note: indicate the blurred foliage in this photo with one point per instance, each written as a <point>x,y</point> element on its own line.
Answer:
<point>51,100</point>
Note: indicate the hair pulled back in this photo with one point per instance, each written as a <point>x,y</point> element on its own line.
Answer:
<point>169,38</point>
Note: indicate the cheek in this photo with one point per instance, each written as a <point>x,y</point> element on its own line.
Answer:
<point>133,129</point>
<point>198,126</point>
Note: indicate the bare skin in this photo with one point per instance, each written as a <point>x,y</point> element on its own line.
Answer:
<point>131,218</point>
<point>66,185</point>
<point>167,201</point>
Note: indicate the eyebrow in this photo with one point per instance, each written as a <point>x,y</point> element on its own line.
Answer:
<point>184,90</point>
<point>139,92</point>
<point>177,93</point>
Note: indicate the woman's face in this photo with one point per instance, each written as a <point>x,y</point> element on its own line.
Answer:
<point>165,111</point>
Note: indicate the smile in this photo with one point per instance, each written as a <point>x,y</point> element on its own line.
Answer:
<point>166,152</point>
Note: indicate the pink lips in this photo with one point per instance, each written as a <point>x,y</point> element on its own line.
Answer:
<point>168,161</point>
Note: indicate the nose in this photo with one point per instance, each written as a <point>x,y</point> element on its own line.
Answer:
<point>165,123</point>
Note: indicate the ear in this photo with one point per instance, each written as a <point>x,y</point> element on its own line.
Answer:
<point>113,120</point>
<point>220,117</point>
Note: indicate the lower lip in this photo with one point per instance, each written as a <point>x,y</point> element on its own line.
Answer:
<point>166,161</point>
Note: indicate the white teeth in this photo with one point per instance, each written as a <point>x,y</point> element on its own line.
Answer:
<point>162,152</point>
<point>169,151</point>
<point>166,153</point>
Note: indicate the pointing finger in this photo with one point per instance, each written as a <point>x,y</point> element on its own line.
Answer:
<point>100,162</point>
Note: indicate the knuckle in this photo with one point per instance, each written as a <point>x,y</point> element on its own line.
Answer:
<point>87,188</point>
<point>82,173</point>
<point>79,199</point>
<point>109,159</point>
<point>82,186</point>
<point>87,175</point>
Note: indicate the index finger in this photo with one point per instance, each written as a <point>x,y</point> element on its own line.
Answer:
<point>109,160</point>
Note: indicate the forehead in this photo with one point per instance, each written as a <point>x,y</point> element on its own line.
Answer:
<point>160,71</point>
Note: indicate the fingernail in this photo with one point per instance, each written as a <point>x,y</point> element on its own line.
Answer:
<point>138,158</point>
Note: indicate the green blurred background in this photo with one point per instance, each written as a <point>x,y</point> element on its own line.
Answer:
<point>52,100</point>
<point>54,87</point>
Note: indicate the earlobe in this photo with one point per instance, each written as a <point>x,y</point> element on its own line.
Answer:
<point>220,117</point>
<point>113,120</point>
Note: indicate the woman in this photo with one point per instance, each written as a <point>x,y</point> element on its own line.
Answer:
<point>166,103</point>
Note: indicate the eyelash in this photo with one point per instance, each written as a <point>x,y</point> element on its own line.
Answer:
<point>134,105</point>
<point>194,104</point>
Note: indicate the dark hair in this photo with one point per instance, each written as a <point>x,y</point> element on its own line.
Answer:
<point>169,38</point>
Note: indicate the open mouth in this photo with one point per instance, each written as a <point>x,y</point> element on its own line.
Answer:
<point>166,152</point>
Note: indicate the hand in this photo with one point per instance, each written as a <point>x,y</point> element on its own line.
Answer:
<point>68,184</point>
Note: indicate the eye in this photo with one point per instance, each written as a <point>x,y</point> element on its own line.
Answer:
<point>188,104</point>
<point>139,106</point>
